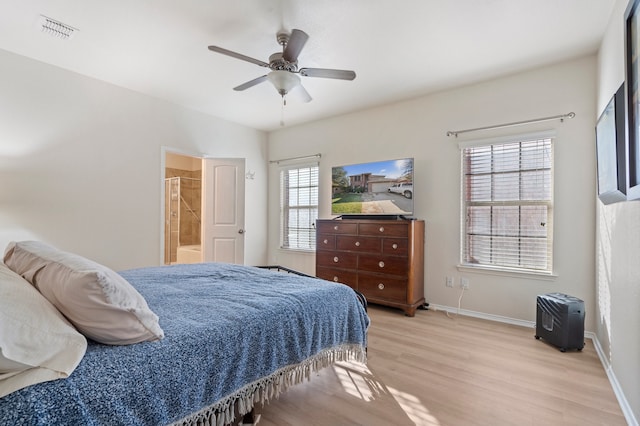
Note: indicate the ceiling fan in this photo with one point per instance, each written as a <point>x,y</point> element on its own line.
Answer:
<point>284,66</point>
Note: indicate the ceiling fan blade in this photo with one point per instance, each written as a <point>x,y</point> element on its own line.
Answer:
<point>300,92</point>
<point>250,83</point>
<point>238,56</point>
<point>297,40</point>
<point>328,73</point>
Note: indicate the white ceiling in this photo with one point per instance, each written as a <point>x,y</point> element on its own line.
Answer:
<point>399,49</point>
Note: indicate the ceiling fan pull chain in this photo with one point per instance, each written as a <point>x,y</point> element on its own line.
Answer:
<point>284,102</point>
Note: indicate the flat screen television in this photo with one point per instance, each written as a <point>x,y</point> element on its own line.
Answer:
<point>380,188</point>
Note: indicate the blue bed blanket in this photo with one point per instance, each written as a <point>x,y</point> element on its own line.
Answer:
<point>233,335</point>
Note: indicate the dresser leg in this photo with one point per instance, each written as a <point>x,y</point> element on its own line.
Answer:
<point>410,312</point>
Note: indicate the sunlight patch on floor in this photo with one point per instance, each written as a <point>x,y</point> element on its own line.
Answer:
<point>358,381</point>
<point>416,411</point>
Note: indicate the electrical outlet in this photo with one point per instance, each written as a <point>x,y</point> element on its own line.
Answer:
<point>449,282</point>
<point>464,283</point>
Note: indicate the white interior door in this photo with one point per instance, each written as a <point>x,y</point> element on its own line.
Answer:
<point>223,210</point>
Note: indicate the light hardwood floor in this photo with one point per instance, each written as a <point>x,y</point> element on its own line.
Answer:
<point>437,370</point>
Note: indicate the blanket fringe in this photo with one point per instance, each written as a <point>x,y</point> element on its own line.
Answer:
<point>223,412</point>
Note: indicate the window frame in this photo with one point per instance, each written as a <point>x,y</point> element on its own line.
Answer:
<point>284,228</point>
<point>549,204</point>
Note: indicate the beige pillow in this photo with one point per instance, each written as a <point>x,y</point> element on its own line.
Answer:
<point>99,303</point>
<point>37,343</point>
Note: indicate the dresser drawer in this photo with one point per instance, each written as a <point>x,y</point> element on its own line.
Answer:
<point>359,244</point>
<point>382,287</point>
<point>336,227</point>
<point>325,242</point>
<point>337,259</point>
<point>395,246</point>
<point>384,229</point>
<point>349,278</point>
<point>384,265</point>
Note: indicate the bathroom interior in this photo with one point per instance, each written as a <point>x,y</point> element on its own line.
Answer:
<point>182,207</point>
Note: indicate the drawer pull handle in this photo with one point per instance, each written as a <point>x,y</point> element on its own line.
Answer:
<point>357,243</point>
<point>382,229</point>
<point>381,264</point>
<point>326,241</point>
<point>381,286</point>
<point>335,259</point>
<point>335,279</point>
<point>335,227</point>
<point>394,246</point>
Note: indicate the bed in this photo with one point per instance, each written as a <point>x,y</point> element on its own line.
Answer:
<point>234,337</point>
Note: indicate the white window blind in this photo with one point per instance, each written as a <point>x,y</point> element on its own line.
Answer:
<point>507,205</point>
<point>299,207</point>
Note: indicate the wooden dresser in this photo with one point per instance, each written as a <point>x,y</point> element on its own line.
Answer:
<point>383,259</point>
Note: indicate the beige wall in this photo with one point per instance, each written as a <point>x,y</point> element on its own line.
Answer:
<point>182,162</point>
<point>618,246</point>
<point>417,128</point>
<point>82,167</point>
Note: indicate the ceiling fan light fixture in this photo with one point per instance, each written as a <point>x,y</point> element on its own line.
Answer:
<point>283,81</point>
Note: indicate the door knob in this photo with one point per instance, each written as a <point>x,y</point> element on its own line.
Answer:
<point>240,231</point>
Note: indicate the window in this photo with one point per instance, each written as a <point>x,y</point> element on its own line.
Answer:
<point>507,205</point>
<point>299,207</point>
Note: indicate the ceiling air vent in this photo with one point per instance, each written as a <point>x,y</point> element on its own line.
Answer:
<point>55,28</point>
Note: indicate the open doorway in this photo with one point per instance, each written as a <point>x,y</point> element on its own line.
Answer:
<point>182,209</point>
<point>203,209</point>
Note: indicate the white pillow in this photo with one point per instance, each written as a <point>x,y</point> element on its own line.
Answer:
<point>99,303</point>
<point>37,343</point>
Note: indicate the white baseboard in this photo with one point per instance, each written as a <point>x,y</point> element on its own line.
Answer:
<point>617,390</point>
<point>482,315</point>
<point>622,400</point>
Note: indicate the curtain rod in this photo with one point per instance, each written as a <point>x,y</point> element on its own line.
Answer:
<point>560,117</point>
<point>304,157</point>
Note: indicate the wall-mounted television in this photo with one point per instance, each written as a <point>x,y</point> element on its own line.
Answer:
<point>382,188</point>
